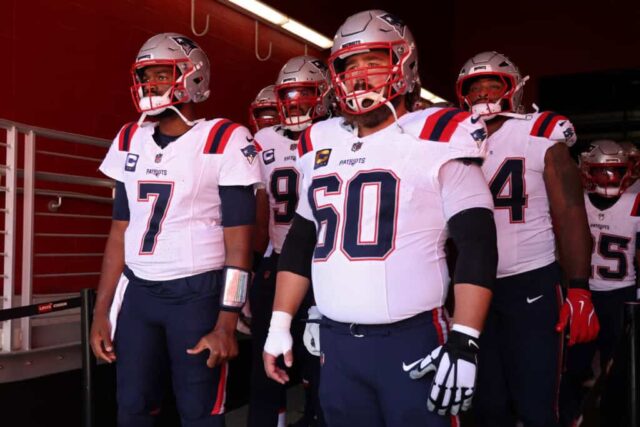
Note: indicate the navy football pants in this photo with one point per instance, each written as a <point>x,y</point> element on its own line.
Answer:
<point>362,382</point>
<point>267,397</point>
<point>521,352</point>
<point>609,306</point>
<point>157,323</point>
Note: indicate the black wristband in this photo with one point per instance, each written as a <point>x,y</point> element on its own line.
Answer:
<point>462,345</point>
<point>257,259</point>
<point>579,284</point>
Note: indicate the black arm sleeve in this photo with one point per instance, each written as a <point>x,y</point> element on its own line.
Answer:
<point>120,203</point>
<point>297,251</point>
<point>473,231</point>
<point>238,205</point>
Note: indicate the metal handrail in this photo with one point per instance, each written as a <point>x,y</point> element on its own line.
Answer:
<point>9,169</point>
<point>56,134</point>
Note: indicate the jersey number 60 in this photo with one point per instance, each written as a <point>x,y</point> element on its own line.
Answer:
<point>370,212</point>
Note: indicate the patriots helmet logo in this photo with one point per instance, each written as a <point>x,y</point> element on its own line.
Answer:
<point>396,22</point>
<point>479,135</point>
<point>250,153</point>
<point>186,44</point>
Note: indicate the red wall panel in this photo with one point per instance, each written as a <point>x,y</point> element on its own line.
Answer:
<point>69,61</point>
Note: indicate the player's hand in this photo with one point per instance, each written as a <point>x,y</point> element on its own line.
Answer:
<point>454,364</point>
<point>221,343</point>
<point>101,338</point>
<point>311,336</point>
<point>279,342</point>
<point>578,311</point>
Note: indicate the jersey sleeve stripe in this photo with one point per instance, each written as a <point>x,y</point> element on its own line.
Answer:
<point>304,146</point>
<point>258,146</point>
<point>436,123</point>
<point>225,137</point>
<point>545,124</point>
<point>219,136</point>
<point>635,211</point>
<point>126,134</point>
<point>452,126</point>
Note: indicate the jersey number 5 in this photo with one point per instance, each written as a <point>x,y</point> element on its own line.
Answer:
<point>370,212</point>
<point>511,172</point>
<point>161,193</point>
<point>613,248</point>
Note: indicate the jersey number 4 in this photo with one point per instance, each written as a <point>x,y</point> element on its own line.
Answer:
<point>370,212</point>
<point>160,193</point>
<point>510,173</point>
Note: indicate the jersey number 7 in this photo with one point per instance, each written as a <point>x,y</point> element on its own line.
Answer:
<point>160,193</point>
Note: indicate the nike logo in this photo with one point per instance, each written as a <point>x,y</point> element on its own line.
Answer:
<point>409,367</point>
<point>581,305</point>
<point>562,123</point>
<point>472,343</point>
<point>530,300</point>
<point>474,119</point>
<point>249,139</point>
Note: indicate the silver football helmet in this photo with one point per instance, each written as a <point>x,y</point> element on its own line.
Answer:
<point>491,64</point>
<point>303,92</point>
<point>634,156</point>
<point>606,168</point>
<point>190,73</point>
<point>263,111</point>
<point>364,32</point>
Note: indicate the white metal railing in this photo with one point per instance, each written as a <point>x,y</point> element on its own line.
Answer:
<point>30,175</point>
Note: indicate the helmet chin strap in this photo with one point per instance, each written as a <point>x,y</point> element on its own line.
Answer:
<point>297,126</point>
<point>144,115</point>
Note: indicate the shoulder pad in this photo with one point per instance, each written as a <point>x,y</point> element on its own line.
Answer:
<point>555,127</point>
<point>125,135</point>
<point>304,143</point>
<point>219,136</point>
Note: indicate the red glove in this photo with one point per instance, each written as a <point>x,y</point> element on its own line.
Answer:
<point>584,326</point>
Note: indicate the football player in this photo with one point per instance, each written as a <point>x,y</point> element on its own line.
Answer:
<point>304,96</point>
<point>614,218</point>
<point>176,263</point>
<point>538,202</point>
<point>381,189</point>
<point>263,111</point>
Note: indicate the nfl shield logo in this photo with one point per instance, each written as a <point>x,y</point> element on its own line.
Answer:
<point>356,146</point>
<point>601,216</point>
<point>158,157</point>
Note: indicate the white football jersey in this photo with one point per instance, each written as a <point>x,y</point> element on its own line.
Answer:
<point>175,225</point>
<point>514,170</point>
<point>614,232</point>
<point>380,206</point>
<point>281,180</point>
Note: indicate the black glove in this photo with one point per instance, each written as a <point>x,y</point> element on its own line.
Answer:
<point>454,364</point>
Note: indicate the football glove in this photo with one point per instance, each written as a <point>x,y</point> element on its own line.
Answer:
<point>454,364</point>
<point>578,311</point>
<point>311,336</point>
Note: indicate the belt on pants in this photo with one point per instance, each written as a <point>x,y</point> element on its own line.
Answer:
<point>362,330</point>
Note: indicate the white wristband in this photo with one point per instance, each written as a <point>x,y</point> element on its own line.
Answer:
<point>466,330</point>
<point>280,321</point>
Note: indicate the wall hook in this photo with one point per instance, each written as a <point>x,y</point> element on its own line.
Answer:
<point>193,21</point>
<point>54,205</point>
<point>256,47</point>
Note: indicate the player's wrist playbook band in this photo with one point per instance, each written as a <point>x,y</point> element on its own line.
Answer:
<point>579,284</point>
<point>235,282</point>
